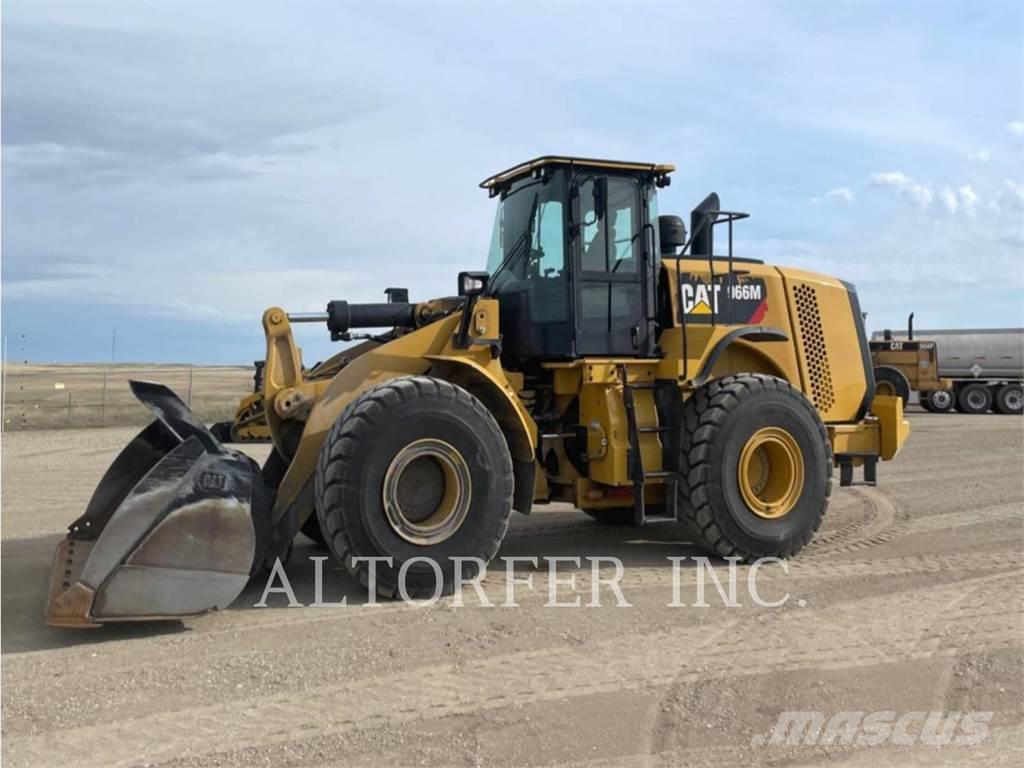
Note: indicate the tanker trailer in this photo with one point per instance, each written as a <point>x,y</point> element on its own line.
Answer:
<point>984,367</point>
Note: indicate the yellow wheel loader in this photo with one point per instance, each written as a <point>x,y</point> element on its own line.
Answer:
<point>906,365</point>
<point>606,358</point>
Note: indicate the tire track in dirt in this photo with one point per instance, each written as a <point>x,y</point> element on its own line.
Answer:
<point>996,513</point>
<point>862,632</point>
<point>976,601</point>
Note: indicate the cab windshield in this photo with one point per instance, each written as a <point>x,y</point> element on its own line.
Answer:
<point>528,240</point>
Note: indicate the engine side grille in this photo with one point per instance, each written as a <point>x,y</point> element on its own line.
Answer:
<point>819,372</point>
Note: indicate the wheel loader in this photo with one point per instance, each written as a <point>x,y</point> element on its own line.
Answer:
<point>906,365</point>
<point>606,358</point>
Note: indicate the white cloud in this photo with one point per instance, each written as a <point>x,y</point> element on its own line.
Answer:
<point>1016,127</point>
<point>968,199</point>
<point>1011,198</point>
<point>981,155</point>
<point>921,195</point>
<point>842,194</point>
<point>950,199</point>
<point>890,179</point>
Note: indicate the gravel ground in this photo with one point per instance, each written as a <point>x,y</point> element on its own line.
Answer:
<point>909,601</point>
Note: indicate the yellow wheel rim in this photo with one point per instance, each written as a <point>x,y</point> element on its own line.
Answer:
<point>427,491</point>
<point>771,473</point>
<point>884,388</point>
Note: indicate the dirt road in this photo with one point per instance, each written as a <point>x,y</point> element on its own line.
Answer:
<point>909,601</point>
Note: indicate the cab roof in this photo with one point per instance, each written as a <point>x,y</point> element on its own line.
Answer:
<point>498,180</point>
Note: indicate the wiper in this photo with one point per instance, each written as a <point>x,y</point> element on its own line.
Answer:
<point>518,247</point>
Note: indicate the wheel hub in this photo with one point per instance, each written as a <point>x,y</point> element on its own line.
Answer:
<point>771,473</point>
<point>1014,400</point>
<point>427,491</point>
<point>941,398</point>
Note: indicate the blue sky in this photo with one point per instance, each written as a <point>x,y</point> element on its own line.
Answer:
<point>170,169</point>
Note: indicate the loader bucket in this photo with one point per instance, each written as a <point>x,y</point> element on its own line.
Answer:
<point>174,529</point>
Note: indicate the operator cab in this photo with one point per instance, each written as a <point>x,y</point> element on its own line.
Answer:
<point>574,257</point>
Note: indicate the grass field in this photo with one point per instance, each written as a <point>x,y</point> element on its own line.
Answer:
<point>38,396</point>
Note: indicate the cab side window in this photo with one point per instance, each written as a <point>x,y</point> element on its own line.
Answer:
<point>548,246</point>
<point>610,227</point>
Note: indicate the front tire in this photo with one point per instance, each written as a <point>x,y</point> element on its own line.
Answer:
<point>974,398</point>
<point>892,381</point>
<point>414,467</point>
<point>756,467</point>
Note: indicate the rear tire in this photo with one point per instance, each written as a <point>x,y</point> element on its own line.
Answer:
<point>441,461</point>
<point>721,421</point>
<point>892,381</point>
<point>1009,400</point>
<point>974,398</point>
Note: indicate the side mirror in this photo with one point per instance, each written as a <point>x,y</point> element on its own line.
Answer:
<point>671,233</point>
<point>473,283</point>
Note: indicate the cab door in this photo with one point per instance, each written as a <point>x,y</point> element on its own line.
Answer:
<point>610,267</point>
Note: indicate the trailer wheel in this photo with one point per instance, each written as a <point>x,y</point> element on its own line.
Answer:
<point>756,467</point>
<point>893,382</point>
<point>974,398</point>
<point>1009,400</point>
<point>938,401</point>
<point>415,467</point>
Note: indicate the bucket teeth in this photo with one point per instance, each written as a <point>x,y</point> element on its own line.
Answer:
<point>69,602</point>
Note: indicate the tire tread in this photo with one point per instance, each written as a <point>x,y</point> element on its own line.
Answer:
<point>703,413</point>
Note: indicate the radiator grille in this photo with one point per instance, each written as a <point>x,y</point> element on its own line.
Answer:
<point>815,353</point>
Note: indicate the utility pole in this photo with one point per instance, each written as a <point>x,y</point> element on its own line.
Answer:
<point>3,393</point>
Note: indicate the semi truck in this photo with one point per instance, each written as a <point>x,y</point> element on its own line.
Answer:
<point>972,370</point>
